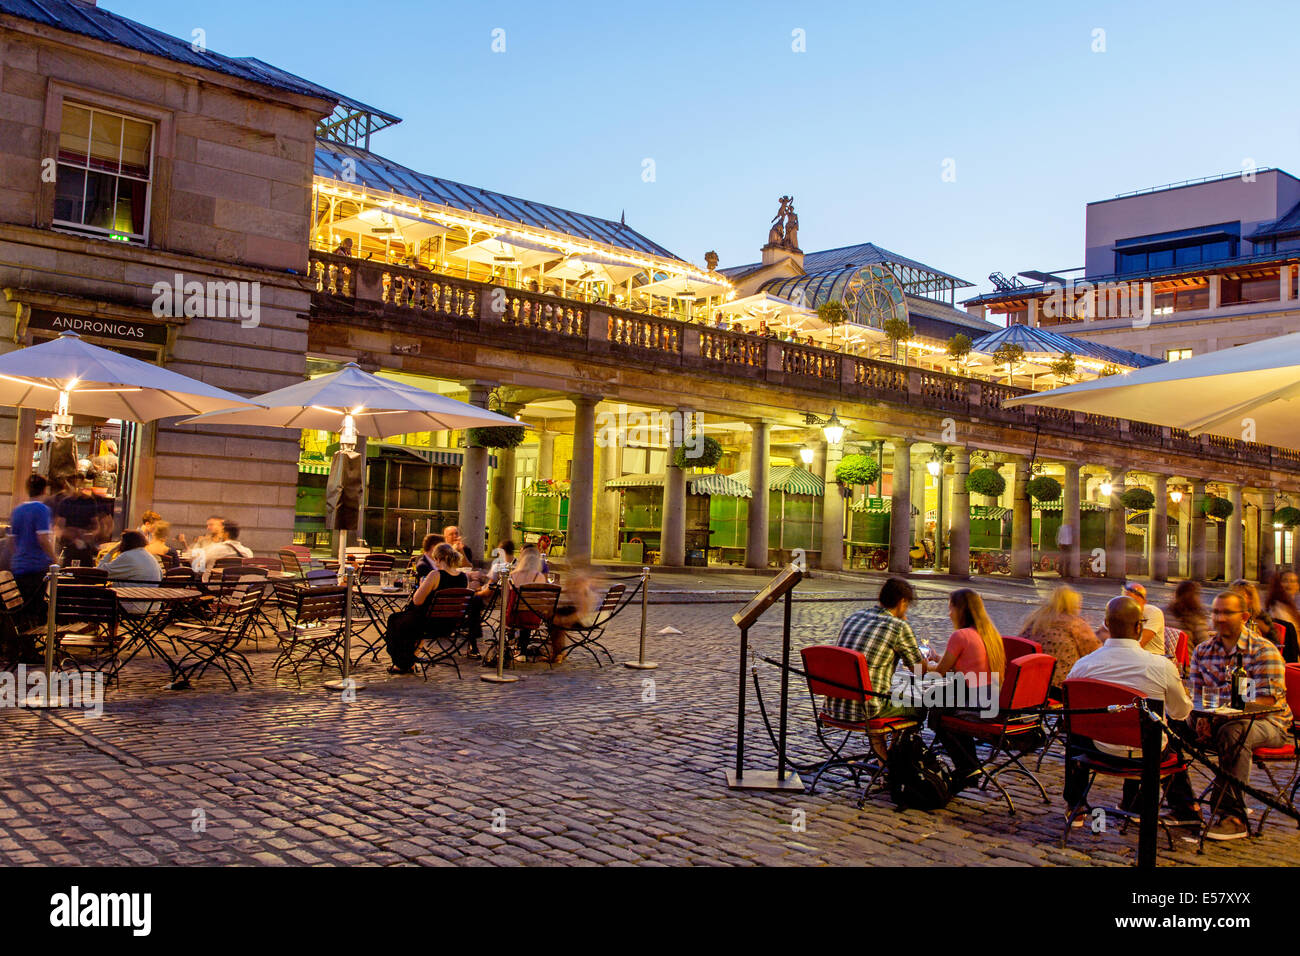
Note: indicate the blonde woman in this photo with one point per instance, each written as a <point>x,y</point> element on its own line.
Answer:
<point>1058,625</point>
<point>975,647</point>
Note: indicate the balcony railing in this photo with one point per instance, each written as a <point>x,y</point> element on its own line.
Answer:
<point>351,286</point>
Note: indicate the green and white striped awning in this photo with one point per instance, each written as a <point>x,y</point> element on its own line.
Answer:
<point>995,512</point>
<point>450,457</point>
<point>1059,505</point>
<point>872,506</point>
<point>711,484</point>
<point>791,479</point>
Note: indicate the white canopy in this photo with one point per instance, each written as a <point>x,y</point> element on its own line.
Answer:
<point>765,307</point>
<point>591,267</point>
<point>379,407</point>
<point>385,224</point>
<point>103,383</point>
<point>1251,389</point>
<point>683,287</point>
<point>505,251</point>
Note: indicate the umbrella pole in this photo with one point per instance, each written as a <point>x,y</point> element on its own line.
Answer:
<point>346,683</point>
<point>500,677</point>
<point>51,598</point>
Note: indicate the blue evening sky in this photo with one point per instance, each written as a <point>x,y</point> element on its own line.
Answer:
<point>857,128</point>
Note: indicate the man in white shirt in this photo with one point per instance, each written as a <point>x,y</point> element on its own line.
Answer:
<point>1153,619</point>
<point>226,546</point>
<point>1123,660</point>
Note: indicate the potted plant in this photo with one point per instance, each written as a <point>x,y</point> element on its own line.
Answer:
<point>709,454</point>
<point>1138,499</point>
<point>857,470</point>
<point>987,482</point>
<point>834,313</point>
<point>505,436</point>
<point>959,347</point>
<point>1008,354</point>
<point>1044,488</point>
<point>898,331</point>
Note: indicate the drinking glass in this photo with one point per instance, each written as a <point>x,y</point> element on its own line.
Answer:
<point>386,580</point>
<point>1209,698</point>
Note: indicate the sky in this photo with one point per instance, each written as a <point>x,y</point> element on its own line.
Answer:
<point>969,136</point>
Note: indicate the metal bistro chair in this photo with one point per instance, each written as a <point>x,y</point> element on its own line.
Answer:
<point>530,609</point>
<point>587,635</point>
<point>229,586</point>
<point>1020,711</point>
<point>12,610</point>
<point>86,621</point>
<point>314,625</point>
<point>840,673</point>
<point>1265,758</point>
<point>1121,729</point>
<point>218,646</point>
<point>84,575</point>
<point>446,629</point>
<point>372,566</point>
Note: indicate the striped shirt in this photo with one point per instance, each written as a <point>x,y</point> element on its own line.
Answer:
<point>884,640</point>
<point>1212,666</point>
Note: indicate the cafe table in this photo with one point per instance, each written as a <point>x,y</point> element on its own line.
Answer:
<point>379,603</point>
<point>146,629</point>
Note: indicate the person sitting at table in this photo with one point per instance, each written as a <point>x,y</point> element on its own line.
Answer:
<point>425,564</point>
<point>1122,660</point>
<point>885,638</point>
<point>147,521</point>
<point>451,534</point>
<point>1059,627</point>
<point>1235,740</point>
<point>133,564</point>
<point>1187,613</point>
<point>1257,617</point>
<point>344,248</point>
<point>1281,606</point>
<point>975,651</point>
<point>211,535</point>
<point>159,547</point>
<point>31,529</point>
<point>1153,619</point>
<point>407,627</point>
<point>582,591</point>
<point>528,569</point>
<point>503,559</point>
<point>226,546</point>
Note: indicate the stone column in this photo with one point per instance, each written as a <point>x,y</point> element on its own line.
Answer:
<point>832,558</point>
<point>918,501</point>
<point>605,533</point>
<point>545,456</point>
<point>1022,545</point>
<point>474,484</point>
<point>672,528</point>
<point>959,536</point>
<point>501,513</point>
<point>582,480</point>
<point>1267,537</point>
<point>760,475</point>
<point>1116,541</point>
<point>900,508</point>
<point>1197,562</point>
<point>1234,555</point>
<point>1070,516</point>
<point>1158,532</point>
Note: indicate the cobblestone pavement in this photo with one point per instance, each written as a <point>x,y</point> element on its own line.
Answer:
<point>573,765</point>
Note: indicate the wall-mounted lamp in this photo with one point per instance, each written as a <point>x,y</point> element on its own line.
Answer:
<point>832,428</point>
<point>806,455</point>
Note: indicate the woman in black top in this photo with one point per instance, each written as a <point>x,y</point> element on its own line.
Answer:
<point>408,627</point>
<point>425,564</point>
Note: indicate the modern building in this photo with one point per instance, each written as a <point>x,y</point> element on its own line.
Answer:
<point>1173,271</point>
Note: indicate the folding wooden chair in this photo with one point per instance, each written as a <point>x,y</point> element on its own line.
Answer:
<point>218,646</point>
<point>314,625</point>
<point>587,635</point>
<point>446,629</point>
<point>1266,758</point>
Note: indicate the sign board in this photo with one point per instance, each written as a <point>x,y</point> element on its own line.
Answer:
<point>119,330</point>
<point>765,598</point>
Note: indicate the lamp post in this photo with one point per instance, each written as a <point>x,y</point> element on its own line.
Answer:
<point>935,467</point>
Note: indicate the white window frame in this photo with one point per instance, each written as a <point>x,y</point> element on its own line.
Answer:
<point>83,229</point>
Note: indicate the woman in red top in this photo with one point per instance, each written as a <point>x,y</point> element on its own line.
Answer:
<point>975,647</point>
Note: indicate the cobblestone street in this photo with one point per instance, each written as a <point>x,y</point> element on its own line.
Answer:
<point>574,765</point>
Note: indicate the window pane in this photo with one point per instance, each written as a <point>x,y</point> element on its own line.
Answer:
<point>131,198</point>
<point>74,135</point>
<point>105,142</point>
<point>135,149</point>
<point>68,190</point>
<point>1215,250</point>
<point>1188,255</point>
<point>1161,259</point>
<point>101,196</point>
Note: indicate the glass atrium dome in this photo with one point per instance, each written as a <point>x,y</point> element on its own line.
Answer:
<point>871,293</point>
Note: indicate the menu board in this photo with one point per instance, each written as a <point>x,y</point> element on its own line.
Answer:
<point>776,589</point>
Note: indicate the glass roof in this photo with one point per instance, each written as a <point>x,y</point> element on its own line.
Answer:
<point>872,293</point>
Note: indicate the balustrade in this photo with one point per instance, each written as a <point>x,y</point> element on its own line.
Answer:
<point>644,332</point>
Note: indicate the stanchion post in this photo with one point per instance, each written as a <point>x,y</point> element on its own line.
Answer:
<point>641,664</point>
<point>346,682</point>
<point>501,677</point>
<point>1149,802</point>
<point>51,630</point>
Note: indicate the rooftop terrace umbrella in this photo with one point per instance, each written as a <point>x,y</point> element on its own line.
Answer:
<point>591,267</point>
<point>775,311</point>
<point>1216,393</point>
<point>384,224</point>
<point>506,251</point>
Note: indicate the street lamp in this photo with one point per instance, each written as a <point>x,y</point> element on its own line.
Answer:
<point>806,455</point>
<point>1106,488</point>
<point>1176,495</point>
<point>933,466</point>
<point>832,428</point>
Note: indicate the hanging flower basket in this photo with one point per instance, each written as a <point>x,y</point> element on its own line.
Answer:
<point>1138,499</point>
<point>1216,507</point>
<point>857,470</point>
<point>1287,517</point>
<point>1044,488</point>
<point>549,488</point>
<point>987,482</point>
<point>706,455</point>
<point>507,436</point>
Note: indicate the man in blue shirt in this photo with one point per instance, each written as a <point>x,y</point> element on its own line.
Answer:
<point>33,553</point>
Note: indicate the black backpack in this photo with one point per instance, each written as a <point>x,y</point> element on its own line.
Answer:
<point>918,780</point>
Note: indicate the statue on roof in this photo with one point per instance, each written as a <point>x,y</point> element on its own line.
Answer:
<point>711,260</point>
<point>784,233</point>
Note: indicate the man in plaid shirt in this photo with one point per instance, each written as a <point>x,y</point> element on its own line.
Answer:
<point>883,635</point>
<point>1212,668</point>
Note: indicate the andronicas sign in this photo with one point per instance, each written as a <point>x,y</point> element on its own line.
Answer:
<point>119,330</point>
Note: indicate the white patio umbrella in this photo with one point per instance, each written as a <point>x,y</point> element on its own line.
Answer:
<point>354,402</point>
<point>591,267</point>
<point>503,250</point>
<point>772,309</point>
<point>1216,393</point>
<point>385,224</point>
<point>683,287</point>
<point>69,376</point>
